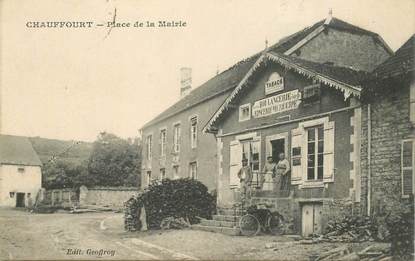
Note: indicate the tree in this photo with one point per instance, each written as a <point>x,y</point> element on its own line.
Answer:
<point>115,161</point>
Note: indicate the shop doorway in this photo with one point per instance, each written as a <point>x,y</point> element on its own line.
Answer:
<point>311,219</point>
<point>277,147</point>
<point>20,200</point>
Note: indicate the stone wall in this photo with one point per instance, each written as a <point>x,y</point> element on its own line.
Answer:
<point>389,126</point>
<point>113,197</point>
<point>106,196</point>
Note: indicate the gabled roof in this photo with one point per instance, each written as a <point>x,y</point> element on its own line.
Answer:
<point>17,150</point>
<point>230,78</point>
<point>344,79</point>
<point>401,62</point>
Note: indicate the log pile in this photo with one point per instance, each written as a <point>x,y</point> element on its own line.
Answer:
<point>174,223</point>
<point>351,229</point>
<point>132,215</point>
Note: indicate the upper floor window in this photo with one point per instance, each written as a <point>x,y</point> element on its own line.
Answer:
<point>315,153</point>
<point>193,170</point>
<point>163,142</point>
<point>193,132</point>
<point>176,138</point>
<point>245,112</point>
<point>20,170</point>
<point>149,144</point>
<point>407,167</point>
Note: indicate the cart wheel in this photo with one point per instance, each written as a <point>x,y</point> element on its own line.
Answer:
<point>249,225</point>
<point>274,224</point>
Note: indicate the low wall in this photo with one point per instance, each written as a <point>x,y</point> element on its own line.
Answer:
<point>113,197</point>
<point>106,196</point>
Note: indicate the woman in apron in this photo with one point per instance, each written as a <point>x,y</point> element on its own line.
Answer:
<point>268,172</point>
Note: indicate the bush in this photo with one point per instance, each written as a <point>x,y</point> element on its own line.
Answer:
<point>180,198</point>
<point>400,224</point>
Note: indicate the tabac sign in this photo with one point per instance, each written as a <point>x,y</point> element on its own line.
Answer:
<point>276,104</point>
<point>275,83</point>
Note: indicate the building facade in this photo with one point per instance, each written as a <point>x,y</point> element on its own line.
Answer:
<point>20,172</point>
<point>388,118</point>
<point>306,110</point>
<point>171,149</point>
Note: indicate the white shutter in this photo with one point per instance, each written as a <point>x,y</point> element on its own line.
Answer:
<point>235,159</point>
<point>328,159</point>
<point>296,169</point>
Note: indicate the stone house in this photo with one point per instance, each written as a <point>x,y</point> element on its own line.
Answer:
<point>175,144</point>
<point>20,172</point>
<point>387,145</point>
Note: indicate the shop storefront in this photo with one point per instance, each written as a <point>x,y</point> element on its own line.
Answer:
<point>305,113</point>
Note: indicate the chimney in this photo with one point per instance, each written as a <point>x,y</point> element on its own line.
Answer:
<point>329,17</point>
<point>185,81</point>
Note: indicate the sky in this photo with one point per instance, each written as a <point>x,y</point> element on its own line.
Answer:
<point>73,83</point>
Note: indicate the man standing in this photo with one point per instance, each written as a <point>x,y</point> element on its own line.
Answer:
<point>283,169</point>
<point>245,178</point>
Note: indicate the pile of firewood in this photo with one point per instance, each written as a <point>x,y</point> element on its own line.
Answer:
<point>373,252</point>
<point>174,223</point>
<point>351,229</point>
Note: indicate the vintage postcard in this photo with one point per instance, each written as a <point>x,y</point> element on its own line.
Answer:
<point>207,130</point>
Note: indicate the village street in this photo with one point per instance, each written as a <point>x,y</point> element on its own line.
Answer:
<point>82,236</point>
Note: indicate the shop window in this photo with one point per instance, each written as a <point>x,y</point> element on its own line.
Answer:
<point>407,167</point>
<point>315,153</point>
<point>193,170</point>
<point>163,142</point>
<point>176,138</point>
<point>193,132</point>
<point>245,112</point>
<point>149,143</point>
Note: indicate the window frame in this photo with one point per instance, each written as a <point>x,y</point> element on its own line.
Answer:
<point>149,143</point>
<point>176,137</point>
<point>407,168</point>
<point>241,116</point>
<point>194,120</point>
<point>315,154</point>
<point>191,165</point>
<point>163,142</point>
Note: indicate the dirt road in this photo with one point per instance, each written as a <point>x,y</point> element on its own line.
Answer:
<point>101,236</point>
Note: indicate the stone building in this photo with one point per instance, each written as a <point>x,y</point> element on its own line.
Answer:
<point>176,146</point>
<point>20,172</point>
<point>388,117</point>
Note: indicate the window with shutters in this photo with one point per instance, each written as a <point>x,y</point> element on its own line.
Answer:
<point>149,143</point>
<point>176,138</point>
<point>193,170</point>
<point>407,167</point>
<point>193,132</point>
<point>315,152</point>
<point>163,142</point>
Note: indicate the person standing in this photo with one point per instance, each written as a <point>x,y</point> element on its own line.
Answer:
<point>245,179</point>
<point>283,170</point>
<point>268,175</point>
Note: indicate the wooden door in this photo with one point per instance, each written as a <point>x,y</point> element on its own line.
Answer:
<point>20,200</point>
<point>311,219</point>
<point>317,218</point>
<point>307,220</point>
